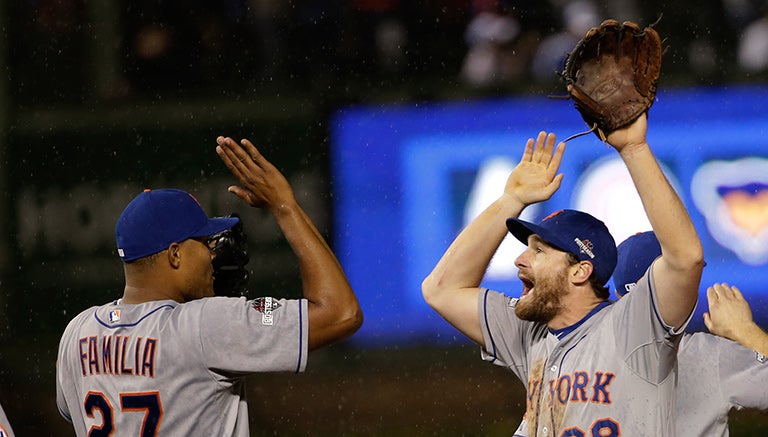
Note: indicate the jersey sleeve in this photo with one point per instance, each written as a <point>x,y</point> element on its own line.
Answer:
<point>743,373</point>
<point>61,403</point>
<point>506,338</point>
<point>265,334</point>
<point>64,385</point>
<point>648,345</point>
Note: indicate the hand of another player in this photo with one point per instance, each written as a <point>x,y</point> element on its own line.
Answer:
<point>626,138</point>
<point>534,178</point>
<point>261,183</point>
<point>729,314</point>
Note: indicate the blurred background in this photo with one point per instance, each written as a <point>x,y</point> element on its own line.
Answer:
<point>100,99</point>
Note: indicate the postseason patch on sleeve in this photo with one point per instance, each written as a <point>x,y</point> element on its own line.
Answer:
<point>266,306</point>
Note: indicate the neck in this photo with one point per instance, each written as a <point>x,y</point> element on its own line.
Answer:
<point>135,295</point>
<point>573,309</point>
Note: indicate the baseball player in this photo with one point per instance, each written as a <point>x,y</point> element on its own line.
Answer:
<point>5,426</point>
<point>591,367</point>
<point>716,374</point>
<point>168,358</point>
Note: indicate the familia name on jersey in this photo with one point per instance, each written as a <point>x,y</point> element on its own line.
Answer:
<point>117,355</point>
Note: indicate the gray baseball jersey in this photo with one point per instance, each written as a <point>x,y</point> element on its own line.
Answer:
<point>612,373</point>
<point>164,368</point>
<point>716,375</point>
<point>5,426</point>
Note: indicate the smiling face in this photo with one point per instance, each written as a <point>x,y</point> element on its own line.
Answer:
<point>543,271</point>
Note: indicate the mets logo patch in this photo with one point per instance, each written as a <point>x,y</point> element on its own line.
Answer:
<point>266,306</point>
<point>733,198</point>
<point>114,316</point>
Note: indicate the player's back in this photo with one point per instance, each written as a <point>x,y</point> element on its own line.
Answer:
<point>164,365</point>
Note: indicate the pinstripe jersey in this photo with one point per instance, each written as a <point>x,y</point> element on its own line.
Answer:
<point>164,368</point>
<point>613,373</point>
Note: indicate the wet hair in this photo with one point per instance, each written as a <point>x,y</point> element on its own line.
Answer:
<point>601,291</point>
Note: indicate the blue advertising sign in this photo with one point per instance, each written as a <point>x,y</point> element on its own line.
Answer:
<point>408,178</point>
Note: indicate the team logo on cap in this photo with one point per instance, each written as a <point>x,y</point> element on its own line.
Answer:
<point>585,246</point>
<point>733,197</point>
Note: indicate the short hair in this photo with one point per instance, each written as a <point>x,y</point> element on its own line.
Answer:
<point>146,261</point>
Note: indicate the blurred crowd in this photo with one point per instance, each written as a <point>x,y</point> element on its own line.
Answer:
<point>219,46</point>
<point>529,40</point>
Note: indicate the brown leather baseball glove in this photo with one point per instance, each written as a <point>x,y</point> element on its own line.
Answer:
<point>612,73</point>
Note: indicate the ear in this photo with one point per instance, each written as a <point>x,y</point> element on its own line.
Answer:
<point>581,272</point>
<point>174,255</point>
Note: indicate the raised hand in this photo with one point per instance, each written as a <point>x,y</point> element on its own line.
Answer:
<point>261,183</point>
<point>535,177</point>
<point>729,314</point>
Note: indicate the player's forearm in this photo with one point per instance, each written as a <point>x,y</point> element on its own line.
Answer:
<point>682,252</point>
<point>752,337</point>
<point>451,288</point>
<point>669,218</point>
<point>334,312</point>
<point>464,264</point>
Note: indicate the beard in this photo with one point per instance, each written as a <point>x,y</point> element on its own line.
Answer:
<point>545,302</point>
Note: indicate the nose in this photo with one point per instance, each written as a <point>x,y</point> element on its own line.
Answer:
<point>522,259</point>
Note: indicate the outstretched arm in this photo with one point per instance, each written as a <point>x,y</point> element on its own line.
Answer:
<point>334,312</point>
<point>678,272</point>
<point>729,316</point>
<point>452,287</point>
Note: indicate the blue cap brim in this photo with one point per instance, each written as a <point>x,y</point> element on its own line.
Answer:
<point>522,229</point>
<point>216,225</point>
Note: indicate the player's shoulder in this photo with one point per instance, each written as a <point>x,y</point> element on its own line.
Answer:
<point>80,319</point>
<point>705,346</point>
<point>705,340</point>
<point>213,303</point>
<point>215,306</point>
<point>87,313</point>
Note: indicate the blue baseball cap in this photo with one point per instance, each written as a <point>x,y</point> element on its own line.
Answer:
<point>156,218</point>
<point>575,232</point>
<point>636,254</point>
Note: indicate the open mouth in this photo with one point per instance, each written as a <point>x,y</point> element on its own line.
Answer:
<point>527,285</point>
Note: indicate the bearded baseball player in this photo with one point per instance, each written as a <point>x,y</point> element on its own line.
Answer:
<point>591,367</point>
<point>168,358</point>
